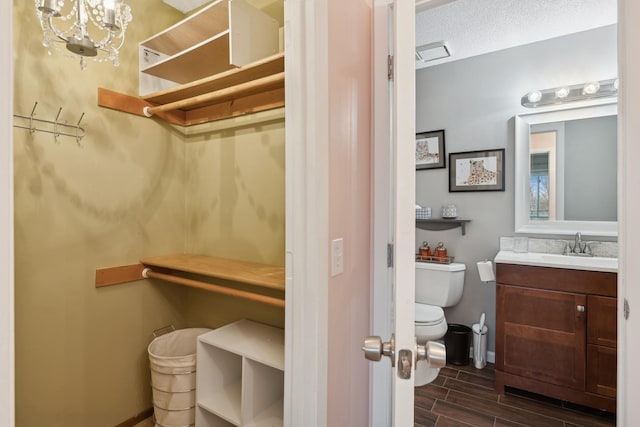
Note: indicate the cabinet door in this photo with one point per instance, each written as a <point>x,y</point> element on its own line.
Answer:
<point>601,370</point>
<point>601,321</point>
<point>541,335</point>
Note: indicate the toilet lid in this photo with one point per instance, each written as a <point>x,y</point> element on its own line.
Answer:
<point>428,314</point>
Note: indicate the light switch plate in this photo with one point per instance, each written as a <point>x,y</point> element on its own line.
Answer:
<point>337,256</point>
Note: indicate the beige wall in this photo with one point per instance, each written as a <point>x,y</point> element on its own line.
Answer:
<point>235,207</point>
<point>133,188</point>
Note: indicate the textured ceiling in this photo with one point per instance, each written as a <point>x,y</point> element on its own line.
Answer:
<point>474,27</point>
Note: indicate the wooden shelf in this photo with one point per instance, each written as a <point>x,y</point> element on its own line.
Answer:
<point>266,276</point>
<point>221,36</point>
<point>192,30</point>
<point>442,224</point>
<point>255,87</point>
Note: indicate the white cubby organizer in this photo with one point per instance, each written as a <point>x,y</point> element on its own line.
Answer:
<point>222,36</point>
<point>240,376</point>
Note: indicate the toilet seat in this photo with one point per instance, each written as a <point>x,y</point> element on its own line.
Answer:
<point>428,315</point>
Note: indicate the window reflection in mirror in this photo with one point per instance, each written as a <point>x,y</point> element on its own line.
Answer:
<point>573,170</point>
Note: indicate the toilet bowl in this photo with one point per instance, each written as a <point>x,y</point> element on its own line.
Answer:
<point>437,286</point>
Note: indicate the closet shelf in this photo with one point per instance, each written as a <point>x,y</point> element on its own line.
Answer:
<point>255,87</point>
<point>442,224</point>
<point>265,276</point>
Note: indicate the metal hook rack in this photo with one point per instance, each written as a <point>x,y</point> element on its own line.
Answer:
<point>58,128</point>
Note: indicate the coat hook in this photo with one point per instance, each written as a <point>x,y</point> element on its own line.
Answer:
<point>56,133</point>
<point>78,129</point>
<point>33,112</point>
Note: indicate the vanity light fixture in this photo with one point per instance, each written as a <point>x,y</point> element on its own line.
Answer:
<point>432,51</point>
<point>581,92</point>
<point>88,28</point>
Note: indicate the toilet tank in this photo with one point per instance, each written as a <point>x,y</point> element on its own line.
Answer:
<point>439,284</point>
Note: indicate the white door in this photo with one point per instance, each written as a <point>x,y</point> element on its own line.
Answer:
<point>394,221</point>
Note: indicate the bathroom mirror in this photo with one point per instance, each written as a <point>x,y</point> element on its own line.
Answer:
<point>565,171</point>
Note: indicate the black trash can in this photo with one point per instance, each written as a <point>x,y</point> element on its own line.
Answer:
<point>458,343</point>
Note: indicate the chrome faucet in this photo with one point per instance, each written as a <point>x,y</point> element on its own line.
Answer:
<point>577,246</point>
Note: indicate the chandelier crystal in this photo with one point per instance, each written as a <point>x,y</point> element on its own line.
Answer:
<point>88,28</point>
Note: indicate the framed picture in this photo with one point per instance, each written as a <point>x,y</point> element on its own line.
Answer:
<point>477,171</point>
<point>430,150</point>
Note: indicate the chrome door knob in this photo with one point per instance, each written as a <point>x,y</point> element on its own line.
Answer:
<point>434,353</point>
<point>374,349</point>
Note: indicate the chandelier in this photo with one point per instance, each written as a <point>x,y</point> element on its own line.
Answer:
<point>88,28</point>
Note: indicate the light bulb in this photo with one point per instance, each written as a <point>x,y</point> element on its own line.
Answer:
<point>591,88</point>
<point>562,92</point>
<point>615,84</point>
<point>534,96</point>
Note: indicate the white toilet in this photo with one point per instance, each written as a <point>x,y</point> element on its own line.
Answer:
<point>437,286</point>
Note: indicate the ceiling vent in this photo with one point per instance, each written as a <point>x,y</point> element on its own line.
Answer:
<point>432,51</point>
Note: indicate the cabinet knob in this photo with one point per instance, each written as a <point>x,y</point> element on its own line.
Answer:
<point>580,308</point>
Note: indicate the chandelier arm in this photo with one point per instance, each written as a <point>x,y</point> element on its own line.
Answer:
<point>59,34</point>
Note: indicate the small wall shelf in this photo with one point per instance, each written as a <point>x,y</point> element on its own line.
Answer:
<point>442,224</point>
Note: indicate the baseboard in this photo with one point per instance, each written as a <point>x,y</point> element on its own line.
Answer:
<point>137,419</point>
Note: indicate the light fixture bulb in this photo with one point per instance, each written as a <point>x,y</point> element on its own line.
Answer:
<point>562,92</point>
<point>591,88</point>
<point>534,96</point>
<point>615,84</point>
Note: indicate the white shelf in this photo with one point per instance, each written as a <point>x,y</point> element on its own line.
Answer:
<point>224,35</point>
<point>270,417</point>
<point>256,341</point>
<point>240,376</point>
<point>225,403</point>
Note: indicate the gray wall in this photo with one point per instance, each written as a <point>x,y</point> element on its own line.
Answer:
<point>591,173</point>
<point>474,101</point>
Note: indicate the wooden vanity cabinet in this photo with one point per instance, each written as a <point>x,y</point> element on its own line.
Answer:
<point>556,333</point>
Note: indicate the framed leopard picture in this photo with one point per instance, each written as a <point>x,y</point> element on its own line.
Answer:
<point>477,170</point>
<point>430,150</point>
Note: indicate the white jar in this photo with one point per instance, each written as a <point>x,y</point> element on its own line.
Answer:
<point>449,211</point>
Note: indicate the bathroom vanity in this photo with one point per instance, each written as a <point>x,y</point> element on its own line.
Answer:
<point>556,330</point>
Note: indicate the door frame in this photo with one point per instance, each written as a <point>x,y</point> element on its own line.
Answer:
<point>307,217</point>
<point>7,361</point>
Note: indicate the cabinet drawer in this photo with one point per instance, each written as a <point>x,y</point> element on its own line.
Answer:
<point>601,321</point>
<point>558,279</point>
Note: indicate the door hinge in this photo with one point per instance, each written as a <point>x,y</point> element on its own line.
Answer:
<point>625,309</point>
<point>390,255</point>
<point>390,67</point>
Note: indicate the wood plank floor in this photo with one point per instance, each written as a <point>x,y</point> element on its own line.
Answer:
<point>464,396</point>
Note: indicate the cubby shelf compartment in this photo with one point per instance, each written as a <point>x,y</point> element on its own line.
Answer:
<point>258,86</point>
<point>442,224</point>
<point>240,376</point>
<point>224,35</point>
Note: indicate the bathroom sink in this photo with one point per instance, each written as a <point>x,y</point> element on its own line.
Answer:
<point>558,261</point>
